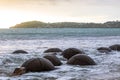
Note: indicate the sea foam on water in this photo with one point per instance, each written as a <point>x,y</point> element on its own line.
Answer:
<point>107,67</point>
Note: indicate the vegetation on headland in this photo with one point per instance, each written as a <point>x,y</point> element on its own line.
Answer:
<point>39,24</point>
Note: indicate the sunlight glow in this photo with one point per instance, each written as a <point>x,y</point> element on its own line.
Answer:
<point>13,12</point>
<point>12,17</point>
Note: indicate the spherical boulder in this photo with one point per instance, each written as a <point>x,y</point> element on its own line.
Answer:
<point>34,65</point>
<point>55,60</point>
<point>104,50</point>
<point>115,47</point>
<point>37,65</point>
<point>68,53</point>
<point>81,59</point>
<point>53,50</point>
<point>19,51</point>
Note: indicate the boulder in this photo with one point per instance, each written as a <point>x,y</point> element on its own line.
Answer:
<point>104,50</point>
<point>20,51</point>
<point>55,60</point>
<point>19,71</point>
<point>53,50</point>
<point>81,59</point>
<point>115,47</point>
<point>37,65</point>
<point>68,53</point>
<point>34,65</point>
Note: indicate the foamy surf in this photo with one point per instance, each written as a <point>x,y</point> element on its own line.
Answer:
<point>107,67</point>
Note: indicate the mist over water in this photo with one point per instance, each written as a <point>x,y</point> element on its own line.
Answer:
<point>35,41</point>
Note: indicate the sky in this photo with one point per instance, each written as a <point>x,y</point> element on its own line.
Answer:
<point>16,11</point>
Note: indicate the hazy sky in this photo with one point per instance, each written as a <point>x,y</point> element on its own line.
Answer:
<point>16,11</point>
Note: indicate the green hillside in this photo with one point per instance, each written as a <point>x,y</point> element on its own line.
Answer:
<point>39,24</point>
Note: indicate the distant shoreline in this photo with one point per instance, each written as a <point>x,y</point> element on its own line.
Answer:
<point>39,24</point>
<point>59,27</point>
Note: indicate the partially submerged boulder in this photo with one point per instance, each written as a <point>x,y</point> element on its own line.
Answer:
<point>104,50</point>
<point>34,65</point>
<point>19,71</point>
<point>115,47</point>
<point>37,65</point>
<point>81,59</point>
<point>54,59</point>
<point>53,50</point>
<point>19,51</point>
<point>68,53</point>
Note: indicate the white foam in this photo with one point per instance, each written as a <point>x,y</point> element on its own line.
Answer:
<point>106,63</point>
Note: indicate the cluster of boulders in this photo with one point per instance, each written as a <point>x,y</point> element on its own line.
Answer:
<point>115,47</point>
<point>73,56</point>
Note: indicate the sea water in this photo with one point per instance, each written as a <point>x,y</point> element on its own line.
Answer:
<point>36,40</point>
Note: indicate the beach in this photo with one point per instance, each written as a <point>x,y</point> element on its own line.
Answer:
<point>35,41</point>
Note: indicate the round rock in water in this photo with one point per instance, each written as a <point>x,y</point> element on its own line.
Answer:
<point>104,50</point>
<point>68,53</point>
<point>115,47</point>
<point>38,65</point>
<point>55,60</point>
<point>53,50</point>
<point>81,59</point>
<point>20,51</point>
<point>19,71</point>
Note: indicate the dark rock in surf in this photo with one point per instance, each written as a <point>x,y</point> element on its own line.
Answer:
<point>19,71</point>
<point>53,50</point>
<point>34,65</point>
<point>20,51</point>
<point>68,53</point>
<point>55,60</point>
<point>37,65</point>
<point>104,50</point>
<point>81,59</point>
<point>115,47</point>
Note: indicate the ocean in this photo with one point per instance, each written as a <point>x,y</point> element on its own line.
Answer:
<point>36,40</point>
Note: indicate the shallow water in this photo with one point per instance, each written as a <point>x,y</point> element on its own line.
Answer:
<point>35,41</point>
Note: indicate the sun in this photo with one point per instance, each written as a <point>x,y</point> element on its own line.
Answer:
<point>10,18</point>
